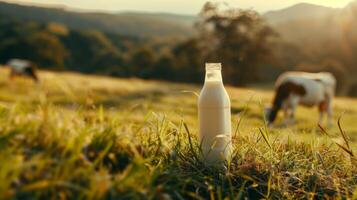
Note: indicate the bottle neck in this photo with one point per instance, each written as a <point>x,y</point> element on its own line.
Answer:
<point>213,72</point>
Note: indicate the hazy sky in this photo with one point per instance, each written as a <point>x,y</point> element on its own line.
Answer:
<point>175,6</point>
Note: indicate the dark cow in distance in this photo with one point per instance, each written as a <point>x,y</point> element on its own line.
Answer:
<point>302,88</point>
<point>24,68</point>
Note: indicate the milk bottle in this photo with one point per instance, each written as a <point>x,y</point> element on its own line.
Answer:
<point>214,113</point>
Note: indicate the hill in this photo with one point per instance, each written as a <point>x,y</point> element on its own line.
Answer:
<point>130,23</point>
<point>92,137</point>
<point>303,22</point>
<point>299,11</point>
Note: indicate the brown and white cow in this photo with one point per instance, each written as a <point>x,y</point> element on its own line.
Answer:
<point>302,88</point>
<point>20,67</point>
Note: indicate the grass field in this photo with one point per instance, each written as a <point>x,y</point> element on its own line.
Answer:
<point>88,137</point>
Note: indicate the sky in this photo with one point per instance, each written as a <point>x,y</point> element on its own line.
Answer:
<point>172,6</point>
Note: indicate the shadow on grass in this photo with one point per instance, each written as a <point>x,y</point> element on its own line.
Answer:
<point>109,100</point>
<point>237,110</point>
<point>122,101</point>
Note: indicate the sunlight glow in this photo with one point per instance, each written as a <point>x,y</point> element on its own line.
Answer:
<point>174,6</point>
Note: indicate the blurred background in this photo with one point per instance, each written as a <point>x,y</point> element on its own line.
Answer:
<point>171,40</point>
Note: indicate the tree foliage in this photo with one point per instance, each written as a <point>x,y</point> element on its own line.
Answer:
<point>30,42</point>
<point>239,39</point>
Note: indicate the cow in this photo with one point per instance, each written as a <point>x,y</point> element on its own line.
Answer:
<point>20,67</point>
<point>302,88</point>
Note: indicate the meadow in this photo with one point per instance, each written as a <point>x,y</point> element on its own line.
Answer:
<point>78,136</point>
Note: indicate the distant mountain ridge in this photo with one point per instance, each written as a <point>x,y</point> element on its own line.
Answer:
<point>298,12</point>
<point>128,23</point>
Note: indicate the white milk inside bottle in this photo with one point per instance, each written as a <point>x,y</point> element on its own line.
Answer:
<point>214,113</point>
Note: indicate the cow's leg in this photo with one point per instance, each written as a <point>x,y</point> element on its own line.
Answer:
<point>329,114</point>
<point>12,74</point>
<point>293,105</point>
<point>287,111</point>
<point>321,117</point>
<point>322,111</point>
<point>31,72</point>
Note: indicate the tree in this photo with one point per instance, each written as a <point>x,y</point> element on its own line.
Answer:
<point>29,41</point>
<point>165,68</point>
<point>189,60</point>
<point>239,39</point>
<point>46,49</point>
<point>142,62</point>
<point>90,52</point>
